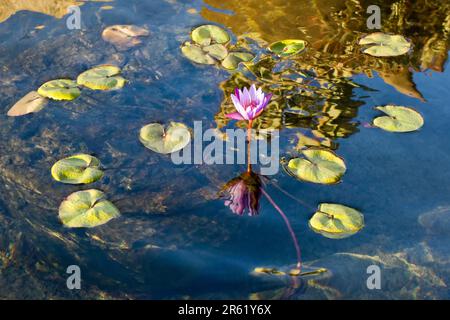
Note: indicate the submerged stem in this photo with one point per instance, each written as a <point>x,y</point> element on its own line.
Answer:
<point>288,224</point>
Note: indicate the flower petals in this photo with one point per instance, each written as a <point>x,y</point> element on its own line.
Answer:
<point>235,116</point>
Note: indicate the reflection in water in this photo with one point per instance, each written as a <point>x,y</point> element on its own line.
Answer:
<point>55,8</point>
<point>244,193</point>
<point>332,28</point>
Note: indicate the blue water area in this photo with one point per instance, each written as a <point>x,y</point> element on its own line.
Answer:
<point>175,237</point>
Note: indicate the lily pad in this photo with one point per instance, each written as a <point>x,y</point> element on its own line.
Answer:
<point>232,61</point>
<point>217,51</point>
<point>60,89</point>
<point>77,169</point>
<point>196,54</point>
<point>87,209</point>
<point>318,166</point>
<point>398,119</point>
<point>336,221</point>
<point>30,103</point>
<point>165,140</point>
<point>287,48</point>
<point>210,34</point>
<point>380,44</point>
<point>124,37</point>
<point>105,77</point>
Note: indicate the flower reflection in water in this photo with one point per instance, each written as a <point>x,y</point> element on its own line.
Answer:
<point>244,193</point>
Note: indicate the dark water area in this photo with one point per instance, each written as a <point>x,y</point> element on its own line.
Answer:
<point>175,237</point>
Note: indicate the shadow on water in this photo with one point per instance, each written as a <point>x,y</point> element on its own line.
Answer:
<point>176,239</point>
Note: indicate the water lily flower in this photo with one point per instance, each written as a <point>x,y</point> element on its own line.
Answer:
<point>244,193</point>
<point>249,103</point>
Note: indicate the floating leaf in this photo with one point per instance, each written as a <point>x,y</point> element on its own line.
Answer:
<point>105,77</point>
<point>86,209</point>
<point>272,271</point>
<point>233,59</point>
<point>31,102</point>
<point>217,51</point>
<point>195,53</point>
<point>287,48</point>
<point>336,221</point>
<point>210,34</point>
<point>380,44</point>
<point>77,169</point>
<point>398,119</point>
<point>124,36</point>
<point>61,89</point>
<point>318,166</point>
<point>156,138</point>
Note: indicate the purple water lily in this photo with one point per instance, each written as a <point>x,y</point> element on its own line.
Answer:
<point>249,103</point>
<point>244,193</point>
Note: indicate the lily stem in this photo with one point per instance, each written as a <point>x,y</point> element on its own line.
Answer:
<point>249,139</point>
<point>288,224</point>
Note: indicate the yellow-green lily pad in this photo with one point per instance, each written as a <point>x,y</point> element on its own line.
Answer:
<point>77,169</point>
<point>217,51</point>
<point>105,77</point>
<point>287,48</point>
<point>336,221</point>
<point>398,119</point>
<point>210,34</point>
<point>232,61</point>
<point>317,165</point>
<point>87,209</point>
<point>196,54</point>
<point>165,140</point>
<point>380,44</point>
<point>60,89</point>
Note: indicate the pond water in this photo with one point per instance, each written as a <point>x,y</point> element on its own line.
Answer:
<point>175,237</point>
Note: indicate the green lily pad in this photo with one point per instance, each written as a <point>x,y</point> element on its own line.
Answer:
<point>210,34</point>
<point>217,51</point>
<point>336,221</point>
<point>287,48</point>
<point>380,44</point>
<point>232,61</point>
<point>77,169</point>
<point>105,77</point>
<point>86,209</point>
<point>398,119</point>
<point>156,138</point>
<point>196,54</point>
<point>32,102</point>
<point>61,89</point>
<point>318,166</point>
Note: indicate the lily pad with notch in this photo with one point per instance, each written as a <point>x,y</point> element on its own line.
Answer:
<point>233,59</point>
<point>104,77</point>
<point>336,221</point>
<point>87,209</point>
<point>165,140</point>
<point>287,48</point>
<point>210,34</point>
<point>398,119</point>
<point>60,89</point>
<point>77,169</point>
<point>196,54</point>
<point>318,165</point>
<point>379,44</point>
